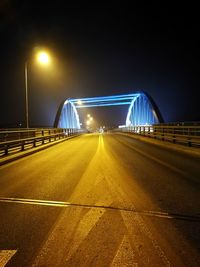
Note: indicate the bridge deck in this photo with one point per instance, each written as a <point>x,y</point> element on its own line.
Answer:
<point>101,200</point>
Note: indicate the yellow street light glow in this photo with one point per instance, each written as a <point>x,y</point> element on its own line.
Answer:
<point>79,102</point>
<point>88,115</point>
<point>91,119</point>
<point>88,122</point>
<point>43,57</point>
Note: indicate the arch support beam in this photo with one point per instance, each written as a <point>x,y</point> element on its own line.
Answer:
<point>69,117</point>
<point>142,111</point>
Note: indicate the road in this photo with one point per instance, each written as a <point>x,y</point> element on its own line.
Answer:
<point>101,200</point>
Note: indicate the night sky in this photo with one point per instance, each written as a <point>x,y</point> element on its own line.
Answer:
<point>99,48</point>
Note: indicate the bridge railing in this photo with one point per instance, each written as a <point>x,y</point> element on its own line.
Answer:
<point>14,140</point>
<point>189,135</point>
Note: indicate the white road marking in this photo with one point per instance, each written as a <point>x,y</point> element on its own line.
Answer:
<point>134,222</point>
<point>5,256</point>
<point>71,233</point>
<point>125,255</point>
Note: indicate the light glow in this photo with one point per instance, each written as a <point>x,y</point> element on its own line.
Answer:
<point>43,58</point>
<point>79,102</point>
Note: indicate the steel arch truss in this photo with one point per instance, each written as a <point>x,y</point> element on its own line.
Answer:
<point>142,110</point>
<point>69,117</point>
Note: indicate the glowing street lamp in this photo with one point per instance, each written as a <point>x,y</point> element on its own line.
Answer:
<point>44,59</point>
<point>79,102</point>
<point>88,122</point>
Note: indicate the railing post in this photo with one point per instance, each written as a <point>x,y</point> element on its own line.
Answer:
<point>23,146</point>
<point>54,131</point>
<point>174,136</point>
<point>189,138</point>
<point>163,139</point>
<point>42,136</point>
<point>49,135</point>
<point>154,132</point>
<point>6,150</point>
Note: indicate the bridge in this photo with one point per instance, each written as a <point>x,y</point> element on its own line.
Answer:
<point>128,197</point>
<point>142,110</point>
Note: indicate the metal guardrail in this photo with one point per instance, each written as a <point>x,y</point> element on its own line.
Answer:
<point>189,135</point>
<point>19,140</point>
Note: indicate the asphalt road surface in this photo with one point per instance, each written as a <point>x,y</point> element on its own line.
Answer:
<point>101,200</point>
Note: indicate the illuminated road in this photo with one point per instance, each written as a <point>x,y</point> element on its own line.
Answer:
<point>100,200</point>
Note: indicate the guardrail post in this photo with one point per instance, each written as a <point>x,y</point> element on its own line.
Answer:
<point>54,131</point>
<point>22,146</point>
<point>49,133</point>
<point>174,137</point>
<point>189,141</point>
<point>163,134</point>
<point>42,137</point>
<point>189,138</point>
<point>154,132</point>
<point>6,150</point>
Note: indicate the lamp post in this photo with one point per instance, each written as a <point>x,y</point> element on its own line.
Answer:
<point>42,58</point>
<point>26,91</point>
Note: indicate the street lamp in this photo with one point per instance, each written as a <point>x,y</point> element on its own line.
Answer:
<point>44,59</point>
<point>79,102</point>
<point>88,122</point>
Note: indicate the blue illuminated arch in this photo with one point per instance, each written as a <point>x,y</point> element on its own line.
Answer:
<point>142,109</point>
<point>69,117</point>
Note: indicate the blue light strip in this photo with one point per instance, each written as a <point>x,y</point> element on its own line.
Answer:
<point>103,105</point>
<point>115,100</point>
<point>103,98</point>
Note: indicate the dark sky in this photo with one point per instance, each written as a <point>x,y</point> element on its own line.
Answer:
<point>99,48</point>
